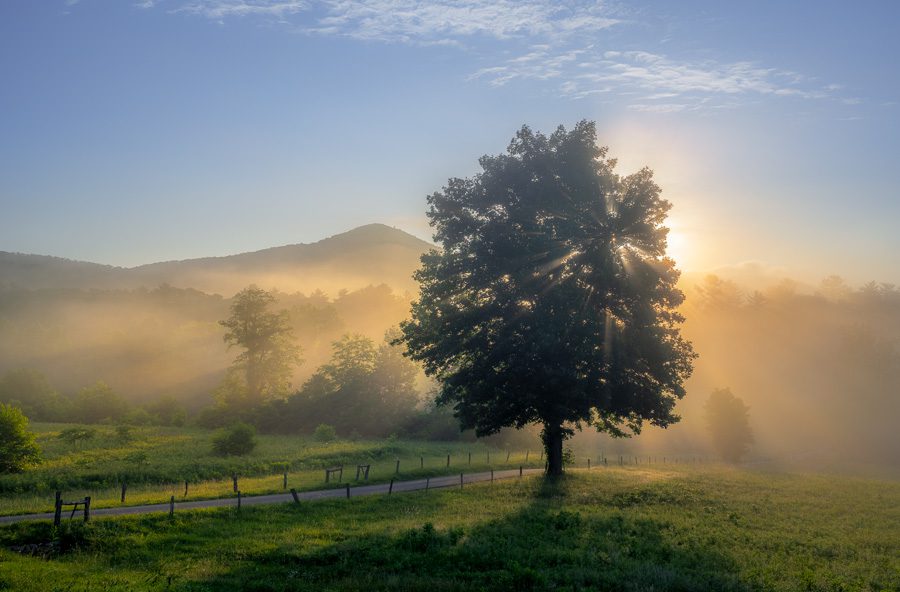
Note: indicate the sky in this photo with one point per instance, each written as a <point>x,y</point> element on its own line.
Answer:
<point>149,130</point>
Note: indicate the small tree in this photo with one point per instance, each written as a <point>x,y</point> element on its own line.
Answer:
<point>728,421</point>
<point>237,440</point>
<point>75,435</point>
<point>18,450</point>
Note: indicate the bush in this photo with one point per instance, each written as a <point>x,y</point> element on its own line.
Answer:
<point>124,433</point>
<point>239,439</point>
<point>18,449</point>
<point>75,435</point>
<point>324,433</point>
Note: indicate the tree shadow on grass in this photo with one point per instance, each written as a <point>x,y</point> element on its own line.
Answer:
<point>542,547</point>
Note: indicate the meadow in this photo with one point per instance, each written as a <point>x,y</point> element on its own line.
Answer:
<point>630,528</point>
<point>155,462</point>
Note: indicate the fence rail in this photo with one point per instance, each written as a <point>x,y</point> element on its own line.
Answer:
<point>362,470</point>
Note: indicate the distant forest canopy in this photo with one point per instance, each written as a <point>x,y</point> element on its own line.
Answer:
<point>818,366</point>
<point>167,341</point>
<point>819,369</point>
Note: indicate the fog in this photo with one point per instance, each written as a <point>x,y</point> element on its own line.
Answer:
<point>818,366</point>
<point>167,341</point>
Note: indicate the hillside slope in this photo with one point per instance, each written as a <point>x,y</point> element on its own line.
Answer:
<point>371,254</point>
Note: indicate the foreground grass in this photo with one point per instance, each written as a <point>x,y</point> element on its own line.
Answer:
<point>611,529</point>
<point>157,461</point>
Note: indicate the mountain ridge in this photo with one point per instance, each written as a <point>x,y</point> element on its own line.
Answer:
<point>369,254</point>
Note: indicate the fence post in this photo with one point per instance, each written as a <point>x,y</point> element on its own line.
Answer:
<point>507,456</point>
<point>124,487</point>
<point>57,512</point>
<point>421,462</point>
<point>470,458</point>
<point>427,483</point>
<point>391,487</point>
<point>520,470</point>
<point>172,506</point>
<point>185,487</point>
<point>397,468</point>
<point>460,480</point>
<point>285,481</point>
<point>589,464</point>
<point>448,460</point>
<point>348,491</point>
<point>527,452</point>
<point>87,509</point>
<point>234,482</point>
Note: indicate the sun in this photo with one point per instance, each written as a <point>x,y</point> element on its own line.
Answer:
<point>677,245</point>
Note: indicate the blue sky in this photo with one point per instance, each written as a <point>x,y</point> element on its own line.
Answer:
<point>133,132</point>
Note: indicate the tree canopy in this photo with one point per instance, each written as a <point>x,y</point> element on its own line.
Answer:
<point>269,350</point>
<point>551,300</point>
<point>728,421</point>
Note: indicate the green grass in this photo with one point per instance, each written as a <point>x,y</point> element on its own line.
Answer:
<point>173,455</point>
<point>631,528</point>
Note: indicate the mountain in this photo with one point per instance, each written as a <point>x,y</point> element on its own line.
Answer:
<point>371,254</point>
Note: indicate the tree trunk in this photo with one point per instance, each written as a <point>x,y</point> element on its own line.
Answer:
<point>552,437</point>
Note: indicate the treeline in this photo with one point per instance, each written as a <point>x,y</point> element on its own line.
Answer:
<point>819,368</point>
<point>167,340</point>
<point>359,385</point>
<point>30,391</point>
<point>366,389</point>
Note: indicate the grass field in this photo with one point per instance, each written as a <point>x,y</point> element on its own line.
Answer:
<point>155,463</point>
<point>631,528</point>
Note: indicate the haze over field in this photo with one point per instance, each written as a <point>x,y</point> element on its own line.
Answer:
<point>818,365</point>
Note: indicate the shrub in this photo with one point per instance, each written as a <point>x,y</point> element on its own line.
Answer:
<point>239,439</point>
<point>18,449</point>
<point>124,433</point>
<point>324,433</point>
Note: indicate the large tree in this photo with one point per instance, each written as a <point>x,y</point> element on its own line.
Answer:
<point>270,353</point>
<point>552,300</point>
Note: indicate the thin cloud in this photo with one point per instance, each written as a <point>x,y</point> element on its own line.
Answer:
<point>413,21</point>
<point>219,10</point>
<point>550,42</point>
<point>650,77</point>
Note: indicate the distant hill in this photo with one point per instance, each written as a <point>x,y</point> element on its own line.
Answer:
<point>371,254</point>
